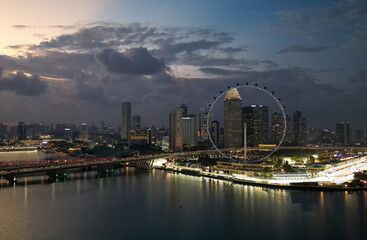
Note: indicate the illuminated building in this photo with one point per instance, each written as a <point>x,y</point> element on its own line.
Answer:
<point>326,137</point>
<point>83,132</point>
<point>189,130</point>
<point>125,120</point>
<point>136,122</point>
<point>299,129</point>
<point>256,119</point>
<point>276,127</point>
<point>203,122</point>
<point>140,136</point>
<point>343,137</point>
<point>233,119</point>
<point>175,129</point>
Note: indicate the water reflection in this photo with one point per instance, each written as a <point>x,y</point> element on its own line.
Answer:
<point>161,205</point>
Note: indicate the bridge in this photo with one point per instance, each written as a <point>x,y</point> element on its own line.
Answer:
<point>56,169</point>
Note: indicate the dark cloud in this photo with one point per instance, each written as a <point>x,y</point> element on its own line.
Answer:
<point>221,71</point>
<point>107,63</point>
<point>22,26</point>
<point>348,16</point>
<point>360,77</point>
<point>21,84</point>
<point>302,49</point>
<point>132,61</point>
<point>344,14</point>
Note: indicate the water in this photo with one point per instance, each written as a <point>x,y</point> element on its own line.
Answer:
<point>140,204</point>
<point>21,156</point>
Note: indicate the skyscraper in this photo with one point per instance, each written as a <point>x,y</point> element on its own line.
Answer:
<point>84,132</point>
<point>233,119</point>
<point>299,129</point>
<point>175,129</point>
<point>256,118</point>
<point>203,122</point>
<point>136,122</point>
<point>276,127</point>
<point>343,134</point>
<point>326,137</point>
<point>22,131</point>
<point>189,130</point>
<point>125,120</point>
<point>288,140</point>
<point>183,106</point>
<point>215,132</point>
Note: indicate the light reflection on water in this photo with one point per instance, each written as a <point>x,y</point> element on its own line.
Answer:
<point>161,205</point>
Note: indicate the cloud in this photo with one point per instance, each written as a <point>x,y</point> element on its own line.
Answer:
<point>360,77</point>
<point>21,84</point>
<point>347,17</point>
<point>302,49</point>
<point>22,26</point>
<point>132,61</point>
<point>344,14</point>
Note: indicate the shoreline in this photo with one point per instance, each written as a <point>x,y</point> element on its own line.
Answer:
<point>269,185</point>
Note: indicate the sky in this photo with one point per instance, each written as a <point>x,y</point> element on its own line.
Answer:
<point>76,60</point>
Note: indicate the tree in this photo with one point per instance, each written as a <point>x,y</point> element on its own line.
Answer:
<point>287,167</point>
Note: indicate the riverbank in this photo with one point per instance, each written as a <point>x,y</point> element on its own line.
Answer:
<point>305,187</point>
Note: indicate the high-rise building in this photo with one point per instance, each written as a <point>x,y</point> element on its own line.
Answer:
<point>125,120</point>
<point>233,119</point>
<point>326,137</point>
<point>67,133</point>
<point>288,140</point>
<point>215,132</point>
<point>175,129</point>
<point>256,118</point>
<point>343,134</point>
<point>299,129</point>
<point>136,122</point>
<point>203,122</point>
<point>84,132</point>
<point>154,135</point>
<point>183,106</point>
<point>3,130</point>
<point>189,130</point>
<point>276,127</point>
<point>22,131</point>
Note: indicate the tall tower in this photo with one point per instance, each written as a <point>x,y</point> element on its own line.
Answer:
<point>175,129</point>
<point>204,135</point>
<point>215,131</point>
<point>276,127</point>
<point>233,119</point>
<point>136,122</point>
<point>299,129</point>
<point>256,118</point>
<point>84,132</point>
<point>189,130</point>
<point>22,131</point>
<point>183,106</point>
<point>343,136</point>
<point>125,120</point>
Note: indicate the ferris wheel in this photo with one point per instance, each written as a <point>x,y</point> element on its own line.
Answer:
<point>256,87</point>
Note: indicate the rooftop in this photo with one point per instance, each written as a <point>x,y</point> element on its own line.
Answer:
<point>232,94</point>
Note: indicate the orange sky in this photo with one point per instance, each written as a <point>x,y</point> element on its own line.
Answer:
<point>39,14</point>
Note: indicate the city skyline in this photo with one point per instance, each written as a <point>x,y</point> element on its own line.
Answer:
<point>82,66</point>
